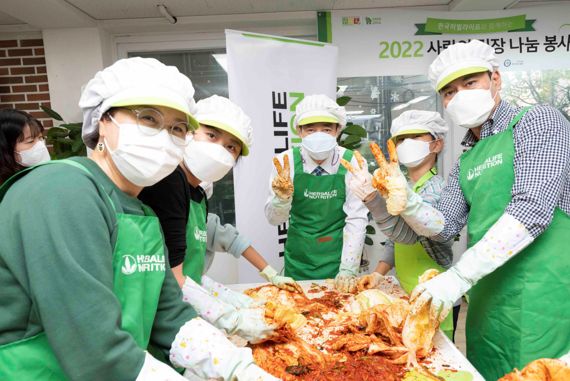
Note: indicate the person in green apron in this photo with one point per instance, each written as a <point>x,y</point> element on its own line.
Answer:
<point>85,284</point>
<point>22,135</point>
<point>193,235</point>
<point>418,136</point>
<point>512,190</point>
<point>327,222</point>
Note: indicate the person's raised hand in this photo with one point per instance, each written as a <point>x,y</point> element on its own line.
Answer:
<point>361,182</point>
<point>389,180</point>
<point>282,184</point>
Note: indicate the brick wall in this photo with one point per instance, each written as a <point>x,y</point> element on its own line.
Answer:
<point>23,77</point>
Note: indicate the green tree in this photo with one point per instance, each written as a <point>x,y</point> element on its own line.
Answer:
<point>539,87</point>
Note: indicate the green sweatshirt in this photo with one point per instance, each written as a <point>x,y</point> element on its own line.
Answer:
<point>57,234</point>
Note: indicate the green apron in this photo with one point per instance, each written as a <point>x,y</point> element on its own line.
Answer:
<point>314,238</point>
<point>196,234</point>
<point>139,270</point>
<point>412,261</point>
<point>519,312</point>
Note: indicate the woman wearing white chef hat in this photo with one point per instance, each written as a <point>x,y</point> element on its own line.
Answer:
<point>83,268</point>
<point>512,190</point>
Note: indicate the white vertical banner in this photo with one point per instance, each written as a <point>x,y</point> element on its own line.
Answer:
<point>267,77</point>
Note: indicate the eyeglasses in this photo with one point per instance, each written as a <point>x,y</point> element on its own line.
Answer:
<point>153,120</point>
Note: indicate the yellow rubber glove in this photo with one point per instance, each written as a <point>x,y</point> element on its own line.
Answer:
<point>284,282</point>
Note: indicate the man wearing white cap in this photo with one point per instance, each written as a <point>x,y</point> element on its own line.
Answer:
<point>86,288</point>
<point>327,221</point>
<point>512,189</point>
<point>418,136</point>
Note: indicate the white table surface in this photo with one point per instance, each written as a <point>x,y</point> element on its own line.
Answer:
<point>446,354</point>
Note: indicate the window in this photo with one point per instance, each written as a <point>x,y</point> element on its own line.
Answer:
<point>526,88</point>
<point>376,101</point>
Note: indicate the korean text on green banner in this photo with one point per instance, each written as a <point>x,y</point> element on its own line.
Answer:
<point>384,42</point>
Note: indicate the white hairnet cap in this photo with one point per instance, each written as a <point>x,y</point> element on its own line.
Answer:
<point>130,82</point>
<point>222,113</point>
<point>461,59</point>
<point>319,108</point>
<point>419,122</point>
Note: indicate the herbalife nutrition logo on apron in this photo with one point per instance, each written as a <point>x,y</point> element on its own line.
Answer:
<point>142,263</point>
<point>200,235</point>
<point>490,162</point>
<point>320,195</point>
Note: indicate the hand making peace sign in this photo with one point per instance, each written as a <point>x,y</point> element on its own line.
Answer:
<point>282,184</point>
<point>361,182</point>
<point>388,178</point>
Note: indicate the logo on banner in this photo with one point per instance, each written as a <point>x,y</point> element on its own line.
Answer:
<point>357,20</point>
<point>490,162</point>
<point>373,20</point>
<point>509,62</point>
<point>351,20</point>
<point>142,263</point>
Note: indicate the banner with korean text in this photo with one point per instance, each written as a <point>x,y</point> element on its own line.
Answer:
<point>388,42</point>
<point>267,77</point>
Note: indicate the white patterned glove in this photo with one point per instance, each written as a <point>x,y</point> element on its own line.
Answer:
<point>248,323</point>
<point>254,373</point>
<point>345,281</point>
<point>566,358</point>
<point>369,281</point>
<point>207,353</point>
<point>251,325</point>
<point>360,182</point>
<point>155,370</point>
<point>442,291</point>
<point>236,299</point>
<point>388,179</point>
<point>423,218</point>
<point>506,238</point>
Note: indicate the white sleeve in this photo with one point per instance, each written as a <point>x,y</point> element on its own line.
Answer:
<point>354,230</point>
<point>277,210</point>
<point>209,307</point>
<point>154,370</point>
<point>236,299</point>
<point>207,353</point>
<point>505,238</point>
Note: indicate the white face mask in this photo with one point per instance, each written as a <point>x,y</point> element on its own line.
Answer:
<point>208,161</point>
<point>145,159</point>
<point>471,108</point>
<point>37,154</point>
<point>412,152</point>
<point>319,145</point>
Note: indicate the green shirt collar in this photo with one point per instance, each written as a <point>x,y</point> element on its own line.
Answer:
<point>424,179</point>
